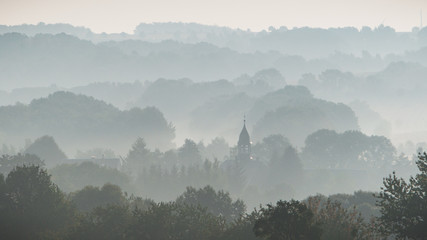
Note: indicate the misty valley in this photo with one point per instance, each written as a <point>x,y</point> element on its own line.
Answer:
<point>188,131</point>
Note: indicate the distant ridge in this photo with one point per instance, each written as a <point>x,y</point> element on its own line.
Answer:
<point>290,41</point>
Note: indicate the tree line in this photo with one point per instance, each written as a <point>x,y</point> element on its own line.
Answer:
<point>277,169</point>
<point>33,207</point>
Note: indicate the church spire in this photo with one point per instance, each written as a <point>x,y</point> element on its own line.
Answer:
<point>244,144</point>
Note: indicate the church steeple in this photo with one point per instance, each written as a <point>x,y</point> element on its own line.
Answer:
<point>244,143</point>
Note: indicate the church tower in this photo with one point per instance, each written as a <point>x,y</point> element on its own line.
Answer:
<point>244,145</point>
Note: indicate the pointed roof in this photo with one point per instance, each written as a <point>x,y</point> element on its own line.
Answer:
<point>244,138</point>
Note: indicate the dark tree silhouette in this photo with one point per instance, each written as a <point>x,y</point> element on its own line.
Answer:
<point>404,204</point>
<point>218,203</point>
<point>32,206</point>
<point>287,221</point>
<point>91,197</point>
<point>173,221</point>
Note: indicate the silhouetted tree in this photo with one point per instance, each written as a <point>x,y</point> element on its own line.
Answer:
<point>32,206</point>
<point>286,168</point>
<point>365,203</point>
<point>47,149</point>
<point>217,149</point>
<point>81,120</point>
<point>138,157</point>
<point>189,153</point>
<point>351,149</point>
<point>8,163</point>
<point>235,176</point>
<point>242,228</point>
<point>287,221</point>
<point>338,222</point>
<point>404,204</point>
<point>109,222</point>
<point>218,203</point>
<point>73,177</point>
<point>173,221</point>
<point>91,197</point>
<point>295,113</point>
<point>273,145</point>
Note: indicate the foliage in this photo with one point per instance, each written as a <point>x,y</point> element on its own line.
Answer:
<point>286,168</point>
<point>95,153</point>
<point>174,221</point>
<point>109,222</point>
<point>217,149</point>
<point>139,203</point>
<point>217,203</point>
<point>139,150</point>
<point>295,113</point>
<point>161,221</point>
<point>288,221</point>
<point>404,204</point>
<point>91,197</point>
<point>364,202</point>
<point>349,150</point>
<point>72,177</point>
<point>338,222</point>
<point>139,157</point>
<point>223,53</point>
<point>32,206</point>
<point>152,182</point>
<point>78,120</point>
<point>183,93</point>
<point>242,228</point>
<point>189,153</point>
<point>8,163</point>
<point>46,149</point>
<point>273,145</point>
<point>277,168</point>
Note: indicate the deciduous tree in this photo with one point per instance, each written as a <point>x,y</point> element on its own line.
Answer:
<point>291,220</point>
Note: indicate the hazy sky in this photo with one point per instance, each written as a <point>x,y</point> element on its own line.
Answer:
<point>124,15</point>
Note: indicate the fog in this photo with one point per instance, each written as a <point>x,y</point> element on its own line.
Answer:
<point>184,108</point>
